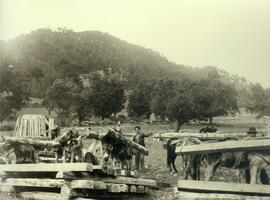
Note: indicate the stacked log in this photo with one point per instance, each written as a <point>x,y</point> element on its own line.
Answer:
<point>39,144</point>
<point>222,190</point>
<point>203,136</point>
<point>227,146</point>
<point>31,126</point>
<point>69,181</point>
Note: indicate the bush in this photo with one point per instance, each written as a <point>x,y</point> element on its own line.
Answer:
<point>7,128</point>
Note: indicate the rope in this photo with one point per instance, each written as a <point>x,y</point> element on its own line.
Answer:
<point>189,139</point>
<point>261,156</point>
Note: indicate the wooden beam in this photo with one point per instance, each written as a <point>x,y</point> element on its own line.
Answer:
<point>104,195</point>
<point>48,160</point>
<point>41,195</point>
<point>33,182</point>
<point>117,188</point>
<point>216,196</point>
<point>30,141</point>
<point>121,172</point>
<point>50,183</point>
<point>223,187</point>
<point>99,185</point>
<point>46,196</point>
<point>140,189</point>
<point>82,184</point>
<point>118,180</point>
<point>202,136</point>
<point>228,146</point>
<point>132,181</point>
<point>49,167</point>
<point>66,191</point>
<point>133,189</point>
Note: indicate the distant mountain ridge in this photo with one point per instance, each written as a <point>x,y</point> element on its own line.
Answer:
<point>47,55</point>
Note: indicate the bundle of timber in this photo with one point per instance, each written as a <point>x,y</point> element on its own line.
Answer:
<point>188,189</point>
<point>30,125</point>
<point>227,146</point>
<point>202,136</point>
<point>115,138</point>
<point>35,142</point>
<point>69,180</point>
<point>25,150</point>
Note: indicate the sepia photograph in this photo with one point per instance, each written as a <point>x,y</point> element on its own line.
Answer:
<point>135,99</point>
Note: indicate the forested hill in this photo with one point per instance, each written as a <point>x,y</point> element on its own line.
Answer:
<point>46,55</point>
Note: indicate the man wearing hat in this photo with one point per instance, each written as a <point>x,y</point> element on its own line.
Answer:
<point>252,132</point>
<point>139,157</point>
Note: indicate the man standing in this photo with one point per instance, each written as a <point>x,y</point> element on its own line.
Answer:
<point>139,157</point>
<point>252,132</point>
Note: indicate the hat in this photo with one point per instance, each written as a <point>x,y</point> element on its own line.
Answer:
<point>137,127</point>
<point>252,130</point>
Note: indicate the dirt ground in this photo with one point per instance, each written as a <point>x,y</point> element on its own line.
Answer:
<point>156,161</point>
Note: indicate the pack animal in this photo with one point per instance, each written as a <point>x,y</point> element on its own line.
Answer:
<point>257,162</point>
<point>191,163</point>
<point>208,129</point>
<point>117,155</point>
<point>17,153</point>
<point>55,133</point>
<point>70,147</point>
<point>171,155</point>
<point>250,165</point>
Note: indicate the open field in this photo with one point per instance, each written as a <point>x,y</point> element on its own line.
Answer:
<point>156,161</point>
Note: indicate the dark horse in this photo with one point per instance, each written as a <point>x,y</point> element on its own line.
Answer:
<point>171,155</point>
<point>208,129</point>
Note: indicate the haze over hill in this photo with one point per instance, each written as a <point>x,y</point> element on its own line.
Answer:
<point>56,65</point>
<point>48,54</point>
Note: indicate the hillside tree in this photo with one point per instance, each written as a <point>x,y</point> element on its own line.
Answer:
<point>173,100</point>
<point>139,103</point>
<point>259,100</point>
<point>106,94</point>
<point>68,100</point>
<point>13,91</point>
<point>213,98</point>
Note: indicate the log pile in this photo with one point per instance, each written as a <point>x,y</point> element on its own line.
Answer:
<point>30,125</point>
<point>69,180</point>
<point>35,142</point>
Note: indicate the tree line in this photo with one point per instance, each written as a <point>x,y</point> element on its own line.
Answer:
<point>86,74</point>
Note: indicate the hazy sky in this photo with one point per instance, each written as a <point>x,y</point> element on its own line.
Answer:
<point>231,34</point>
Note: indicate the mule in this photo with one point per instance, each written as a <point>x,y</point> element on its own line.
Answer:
<point>250,165</point>
<point>70,147</point>
<point>191,163</point>
<point>171,155</point>
<point>257,162</point>
<point>117,156</point>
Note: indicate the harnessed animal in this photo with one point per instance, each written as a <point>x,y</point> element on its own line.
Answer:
<point>191,163</point>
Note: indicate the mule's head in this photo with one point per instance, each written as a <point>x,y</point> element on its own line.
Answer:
<point>212,162</point>
<point>107,152</point>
